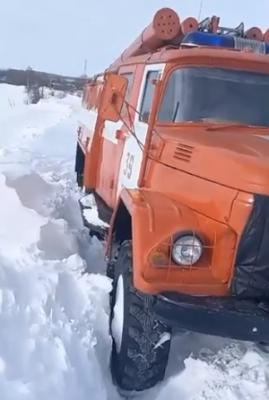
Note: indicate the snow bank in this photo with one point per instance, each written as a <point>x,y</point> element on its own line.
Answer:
<point>48,309</point>
<point>54,340</point>
<point>47,337</point>
<point>19,121</point>
<point>19,226</point>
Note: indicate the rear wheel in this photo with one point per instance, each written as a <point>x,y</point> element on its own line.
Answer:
<point>141,343</point>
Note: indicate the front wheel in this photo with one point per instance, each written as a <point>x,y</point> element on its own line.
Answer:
<point>141,343</point>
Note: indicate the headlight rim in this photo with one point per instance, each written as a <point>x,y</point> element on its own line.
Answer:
<point>180,235</point>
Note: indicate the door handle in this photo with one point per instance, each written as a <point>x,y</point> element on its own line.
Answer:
<point>121,135</point>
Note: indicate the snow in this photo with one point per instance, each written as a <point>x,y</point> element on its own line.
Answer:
<point>54,340</point>
<point>118,318</point>
<point>90,211</point>
<point>232,373</point>
<point>164,338</point>
<point>54,297</point>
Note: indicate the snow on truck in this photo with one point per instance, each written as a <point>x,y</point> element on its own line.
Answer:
<point>176,156</point>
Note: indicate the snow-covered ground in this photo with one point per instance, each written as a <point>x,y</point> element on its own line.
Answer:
<point>54,341</point>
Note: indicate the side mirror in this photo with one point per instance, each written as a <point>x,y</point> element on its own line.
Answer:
<point>113,96</point>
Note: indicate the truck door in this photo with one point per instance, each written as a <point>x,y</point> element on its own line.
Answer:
<point>132,154</point>
<point>112,146</point>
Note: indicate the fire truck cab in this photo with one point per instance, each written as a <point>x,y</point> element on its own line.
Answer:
<point>175,153</point>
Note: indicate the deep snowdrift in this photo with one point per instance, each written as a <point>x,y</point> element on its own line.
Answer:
<point>53,318</point>
<point>54,341</point>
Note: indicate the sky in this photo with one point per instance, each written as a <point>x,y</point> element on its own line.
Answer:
<point>58,35</point>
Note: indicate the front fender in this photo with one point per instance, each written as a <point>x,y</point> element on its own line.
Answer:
<point>155,219</point>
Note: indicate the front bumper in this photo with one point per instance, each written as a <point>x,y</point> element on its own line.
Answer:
<point>227,317</point>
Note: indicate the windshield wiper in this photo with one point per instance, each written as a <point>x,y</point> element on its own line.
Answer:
<point>234,125</point>
<point>218,124</point>
<point>176,111</point>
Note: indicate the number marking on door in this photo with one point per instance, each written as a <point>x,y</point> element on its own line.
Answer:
<point>129,164</point>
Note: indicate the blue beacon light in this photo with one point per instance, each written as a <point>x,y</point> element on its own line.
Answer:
<point>225,41</point>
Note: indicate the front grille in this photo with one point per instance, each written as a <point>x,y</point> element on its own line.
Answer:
<point>251,277</point>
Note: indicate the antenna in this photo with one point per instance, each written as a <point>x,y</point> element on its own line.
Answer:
<point>85,67</point>
<point>200,9</point>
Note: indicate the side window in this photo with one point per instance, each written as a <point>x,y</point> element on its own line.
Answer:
<point>148,96</point>
<point>169,107</point>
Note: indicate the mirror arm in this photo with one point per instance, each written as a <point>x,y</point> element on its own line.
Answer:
<point>151,123</point>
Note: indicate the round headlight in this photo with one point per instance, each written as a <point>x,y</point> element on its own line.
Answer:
<point>187,250</point>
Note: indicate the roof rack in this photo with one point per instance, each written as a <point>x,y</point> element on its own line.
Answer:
<point>211,25</point>
<point>168,30</point>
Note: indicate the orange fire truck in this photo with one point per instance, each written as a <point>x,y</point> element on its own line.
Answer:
<point>175,153</point>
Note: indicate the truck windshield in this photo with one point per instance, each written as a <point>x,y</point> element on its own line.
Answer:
<point>217,95</point>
